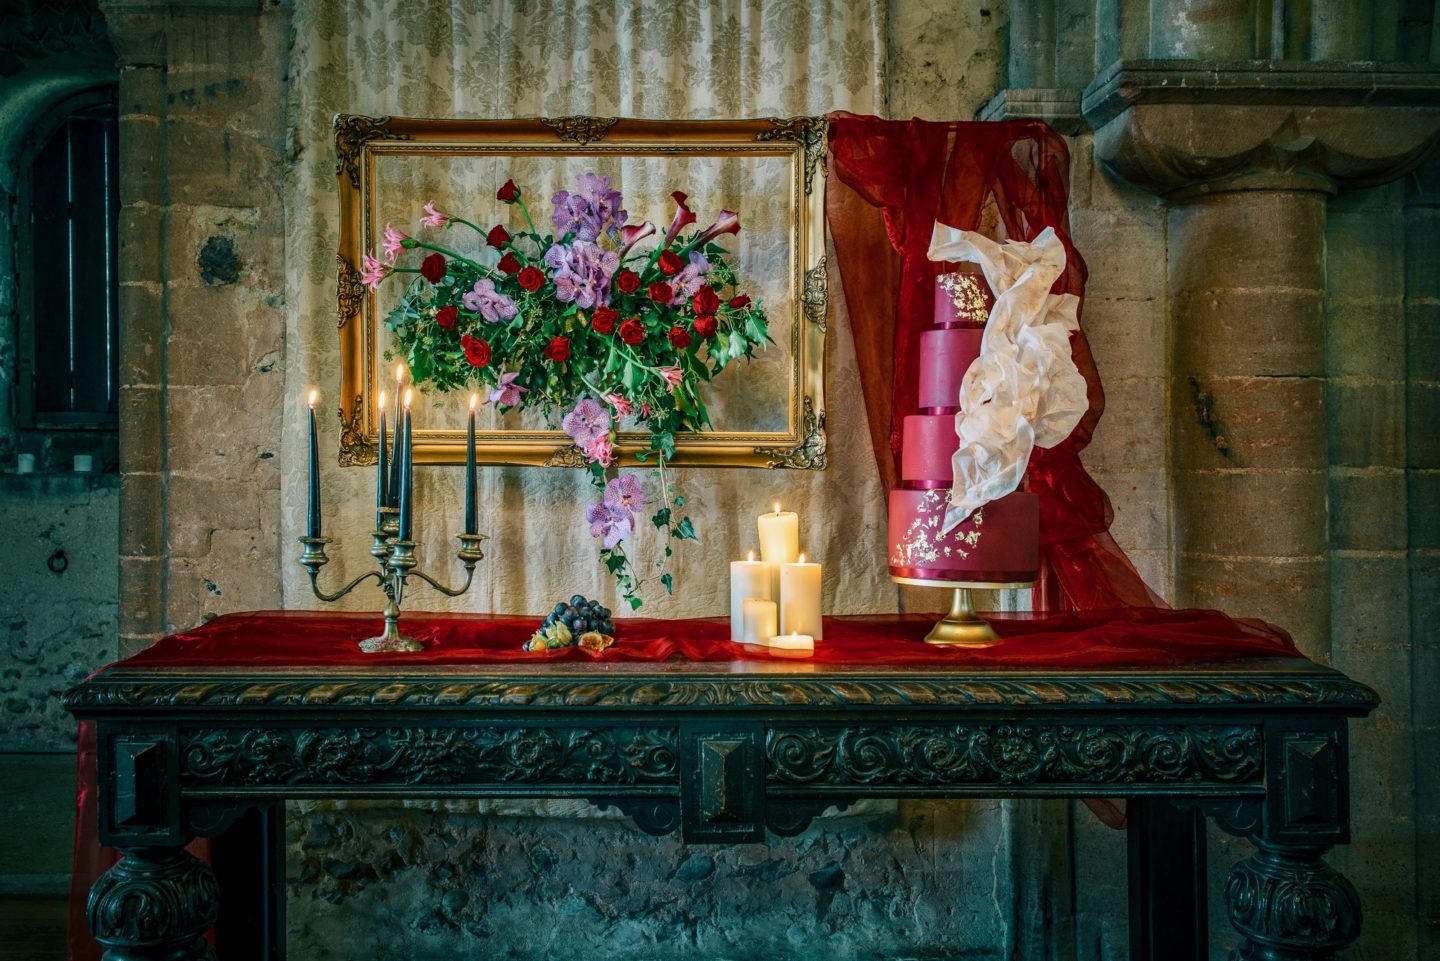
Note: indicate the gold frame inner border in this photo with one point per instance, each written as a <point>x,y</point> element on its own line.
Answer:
<point>359,140</point>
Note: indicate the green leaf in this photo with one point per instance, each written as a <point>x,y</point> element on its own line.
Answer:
<point>634,603</point>
<point>668,582</point>
<point>685,530</point>
<point>661,518</point>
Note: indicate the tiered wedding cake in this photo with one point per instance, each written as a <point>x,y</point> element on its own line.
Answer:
<point>999,542</point>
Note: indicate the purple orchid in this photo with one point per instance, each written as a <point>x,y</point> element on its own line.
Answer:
<point>611,524</point>
<point>488,302</point>
<point>592,210</point>
<point>691,276</point>
<point>625,493</point>
<point>582,272</point>
<point>588,422</point>
<point>506,392</point>
<point>729,223</point>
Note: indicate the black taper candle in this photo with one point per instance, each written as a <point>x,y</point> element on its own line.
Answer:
<point>470,523</point>
<point>393,493</point>
<point>407,478</point>
<point>381,494</point>
<point>312,527</point>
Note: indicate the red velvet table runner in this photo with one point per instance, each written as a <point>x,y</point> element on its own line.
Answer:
<point>1134,637</point>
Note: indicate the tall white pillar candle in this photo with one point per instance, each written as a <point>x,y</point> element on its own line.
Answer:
<point>759,621</point>
<point>779,536</point>
<point>800,598</point>
<point>748,578</point>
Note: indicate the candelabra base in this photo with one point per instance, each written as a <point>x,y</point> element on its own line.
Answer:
<point>387,644</point>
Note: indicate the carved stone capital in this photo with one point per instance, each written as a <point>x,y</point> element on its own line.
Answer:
<point>1179,128</point>
<point>1288,903</point>
<point>155,903</point>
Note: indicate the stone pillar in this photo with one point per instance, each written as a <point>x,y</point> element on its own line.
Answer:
<point>1246,159</point>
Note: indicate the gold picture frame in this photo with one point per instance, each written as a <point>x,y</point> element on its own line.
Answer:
<point>798,141</point>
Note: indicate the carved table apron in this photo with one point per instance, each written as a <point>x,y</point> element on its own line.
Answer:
<point>724,753</point>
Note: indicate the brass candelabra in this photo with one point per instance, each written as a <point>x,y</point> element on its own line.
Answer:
<point>396,560</point>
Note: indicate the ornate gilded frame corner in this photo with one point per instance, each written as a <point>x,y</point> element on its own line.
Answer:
<point>359,141</point>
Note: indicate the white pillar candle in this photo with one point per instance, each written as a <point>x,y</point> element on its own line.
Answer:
<point>759,621</point>
<point>779,536</point>
<point>792,644</point>
<point>800,599</point>
<point>748,578</point>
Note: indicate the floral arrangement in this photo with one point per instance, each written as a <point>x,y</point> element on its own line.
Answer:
<point>584,324</point>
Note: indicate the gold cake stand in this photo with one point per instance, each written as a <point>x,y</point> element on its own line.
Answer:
<point>962,627</point>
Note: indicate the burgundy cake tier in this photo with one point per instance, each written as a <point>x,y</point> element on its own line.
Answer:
<point>960,298</point>
<point>945,356</point>
<point>929,442</point>
<point>999,543</point>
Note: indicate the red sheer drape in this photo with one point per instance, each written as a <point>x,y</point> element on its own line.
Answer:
<point>890,181</point>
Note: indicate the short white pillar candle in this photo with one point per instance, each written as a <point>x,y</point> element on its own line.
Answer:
<point>793,643</point>
<point>800,599</point>
<point>748,578</point>
<point>760,620</point>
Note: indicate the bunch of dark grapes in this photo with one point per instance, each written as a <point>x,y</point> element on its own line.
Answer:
<point>581,615</point>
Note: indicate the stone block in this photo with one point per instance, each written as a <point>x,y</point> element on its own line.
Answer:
<point>142,319</point>
<point>251,102</point>
<point>1248,240</point>
<point>1422,253</point>
<point>142,529</point>
<point>142,163</point>
<point>1368,510</point>
<point>142,591</point>
<point>1423,425</point>
<point>39,824</point>
<point>1423,493</point>
<point>209,443</point>
<point>1127,337</point>
<point>1422,335</point>
<point>1365,340</point>
<point>1262,333</point>
<point>1260,422</point>
<point>1251,514</point>
<point>1141,501</point>
<point>1367,424</point>
<point>142,232</point>
<point>1131,434</point>
<point>1369,604</point>
<point>221,168</point>
<point>141,429</point>
<point>219,336</point>
<point>1364,260</point>
<point>1425,598</point>
<point>1293,594</point>
<point>1125,253</point>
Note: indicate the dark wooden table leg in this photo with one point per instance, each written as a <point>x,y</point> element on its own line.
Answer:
<point>155,904</point>
<point>1168,903</point>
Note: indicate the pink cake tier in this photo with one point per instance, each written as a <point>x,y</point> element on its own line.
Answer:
<point>999,543</point>
<point>929,441</point>
<point>945,356</point>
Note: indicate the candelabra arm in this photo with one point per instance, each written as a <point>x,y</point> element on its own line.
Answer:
<point>447,591</point>
<point>330,598</point>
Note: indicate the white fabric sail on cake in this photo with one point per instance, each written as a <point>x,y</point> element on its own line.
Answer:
<point>1024,389</point>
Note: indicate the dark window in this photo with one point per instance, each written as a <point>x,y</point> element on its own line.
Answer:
<point>69,269</point>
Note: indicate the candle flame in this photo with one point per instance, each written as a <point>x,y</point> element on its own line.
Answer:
<point>382,402</point>
<point>802,557</point>
<point>777,507</point>
<point>313,394</point>
<point>399,373</point>
<point>473,399</point>
<point>750,556</point>
<point>407,398</point>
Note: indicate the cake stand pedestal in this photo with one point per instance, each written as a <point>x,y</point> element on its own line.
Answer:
<point>962,627</point>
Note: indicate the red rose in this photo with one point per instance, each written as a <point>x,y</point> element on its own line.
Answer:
<point>632,332</point>
<point>497,237</point>
<point>705,301</point>
<point>432,268</point>
<point>446,317</point>
<point>670,263</point>
<point>705,325</point>
<point>660,292</point>
<point>477,351</point>
<point>603,320</point>
<point>679,338</point>
<point>740,303</point>
<point>531,278</point>
<point>508,193</point>
<point>509,264</point>
<point>627,281</point>
<point>558,349</point>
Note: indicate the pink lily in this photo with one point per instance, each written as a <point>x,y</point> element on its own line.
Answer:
<point>374,271</point>
<point>683,218</point>
<point>672,377</point>
<point>433,217</point>
<point>506,392</point>
<point>599,451</point>
<point>630,235</point>
<point>645,411</point>
<point>729,223</point>
<point>394,242</point>
<point>623,408</point>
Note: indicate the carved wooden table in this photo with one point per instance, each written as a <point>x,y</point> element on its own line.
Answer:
<point>724,753</point>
